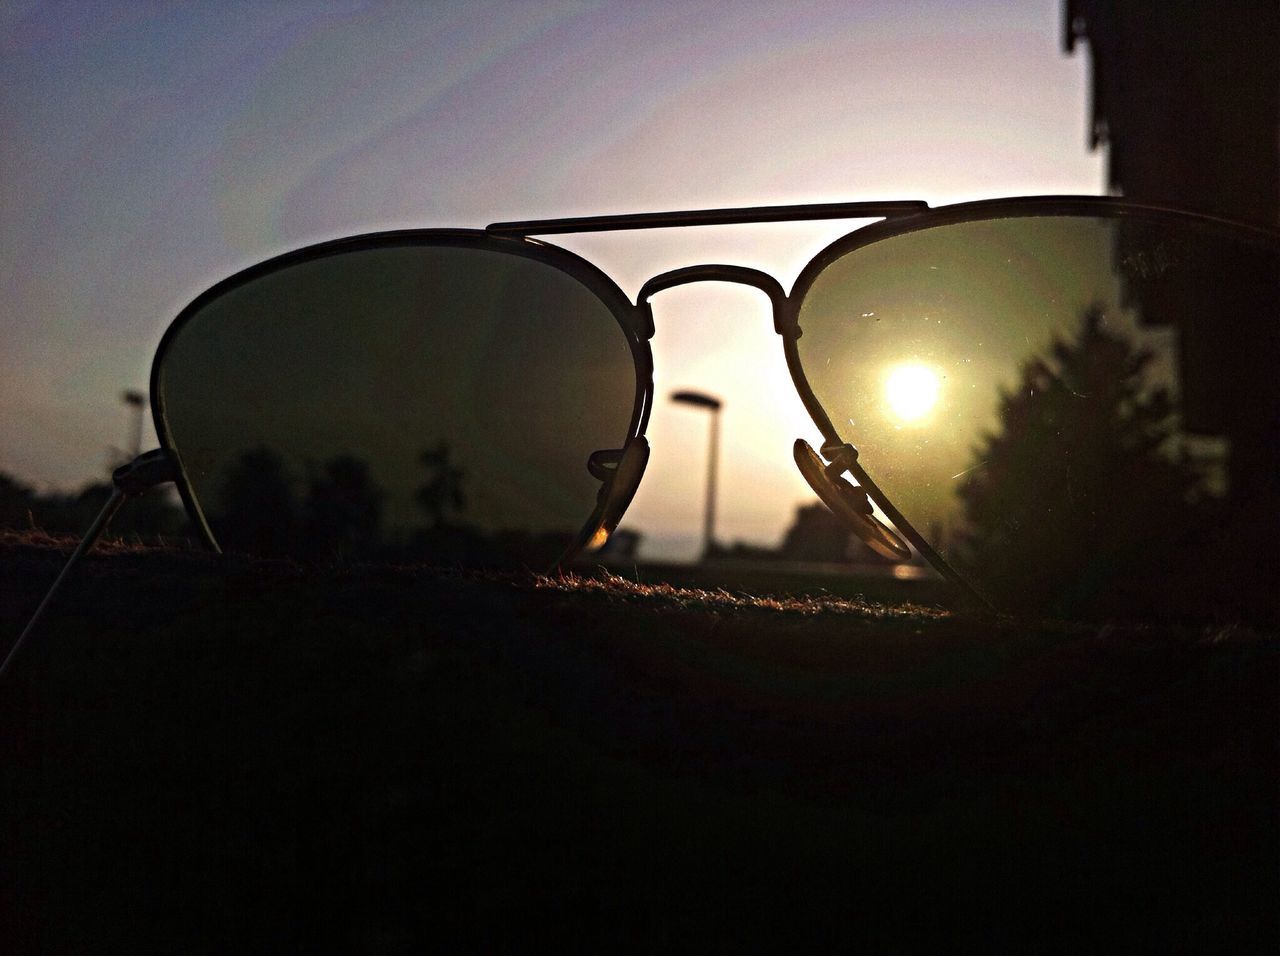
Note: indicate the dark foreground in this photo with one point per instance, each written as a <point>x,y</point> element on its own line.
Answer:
<point>209,757</point>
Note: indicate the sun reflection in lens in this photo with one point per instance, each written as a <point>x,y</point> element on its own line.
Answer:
<point>911,389</point>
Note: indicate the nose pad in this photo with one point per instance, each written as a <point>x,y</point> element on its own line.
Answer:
<point>619,470</point>
<point>847,501</point>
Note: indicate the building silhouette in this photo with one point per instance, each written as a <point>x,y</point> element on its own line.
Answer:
<point>1186,100</point>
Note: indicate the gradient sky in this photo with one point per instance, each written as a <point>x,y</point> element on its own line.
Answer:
<point>149,149</point>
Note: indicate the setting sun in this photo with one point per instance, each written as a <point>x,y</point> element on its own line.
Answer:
<point>911,391</point>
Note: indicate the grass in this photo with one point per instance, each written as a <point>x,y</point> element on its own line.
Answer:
<point>212,755</point>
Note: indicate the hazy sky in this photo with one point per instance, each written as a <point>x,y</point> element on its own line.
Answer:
<point>149,149</point>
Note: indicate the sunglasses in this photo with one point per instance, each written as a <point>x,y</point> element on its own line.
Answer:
<point>1065,405</point>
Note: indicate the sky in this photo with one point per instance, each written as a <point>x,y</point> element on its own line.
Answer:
<point>148,150</point>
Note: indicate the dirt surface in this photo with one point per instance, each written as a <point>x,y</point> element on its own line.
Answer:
<point>210,755</point>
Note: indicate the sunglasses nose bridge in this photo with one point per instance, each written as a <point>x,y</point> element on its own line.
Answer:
<point>783,317</point>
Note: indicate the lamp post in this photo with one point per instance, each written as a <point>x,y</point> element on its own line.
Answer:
<point>136,401</point>
<point>712,404</point>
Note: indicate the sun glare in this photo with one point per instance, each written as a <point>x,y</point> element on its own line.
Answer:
<point>911,391</point>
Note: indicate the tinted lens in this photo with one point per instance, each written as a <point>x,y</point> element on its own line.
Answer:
<point>1081,413</point>
<point>413,401</point>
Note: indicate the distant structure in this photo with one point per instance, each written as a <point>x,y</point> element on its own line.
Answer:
<point>817,535</point>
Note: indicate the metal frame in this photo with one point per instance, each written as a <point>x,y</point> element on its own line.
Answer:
<point>896,218</point>
<point>709,217</point>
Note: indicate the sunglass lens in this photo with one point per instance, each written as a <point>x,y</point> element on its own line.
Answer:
<point>1081,412</point>
<point>407,400</point>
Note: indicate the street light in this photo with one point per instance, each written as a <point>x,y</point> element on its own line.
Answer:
<point>136,401</point>
<point>712,404</point>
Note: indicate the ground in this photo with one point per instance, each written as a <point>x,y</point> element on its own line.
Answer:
<point>212,755</point>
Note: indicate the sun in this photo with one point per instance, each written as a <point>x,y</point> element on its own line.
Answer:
<point>911,389</point>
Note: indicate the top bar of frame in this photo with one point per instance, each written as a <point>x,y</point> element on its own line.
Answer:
<point>709,217</point>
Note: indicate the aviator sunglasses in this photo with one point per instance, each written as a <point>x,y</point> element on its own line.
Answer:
<point>1067,405</point>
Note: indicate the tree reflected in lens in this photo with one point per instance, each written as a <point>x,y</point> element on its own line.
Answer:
<point>1094,533</point>
<point>334,515</point>
<point>256,510</point>
<point>442,491</point>
<point>343,511</point>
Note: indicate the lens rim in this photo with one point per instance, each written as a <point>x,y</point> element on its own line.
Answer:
<point>627,315</point>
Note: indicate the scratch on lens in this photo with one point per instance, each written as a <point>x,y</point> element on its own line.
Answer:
<point>967,470</point>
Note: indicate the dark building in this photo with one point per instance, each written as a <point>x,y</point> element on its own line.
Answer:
<point>1186,99</point>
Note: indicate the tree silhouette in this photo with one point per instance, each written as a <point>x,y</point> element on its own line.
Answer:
<point>442,491</point>
<point>1079,505</point>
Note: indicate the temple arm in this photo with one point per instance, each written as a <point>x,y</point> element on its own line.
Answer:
<point>145,471</point>
<point>709,217</point>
